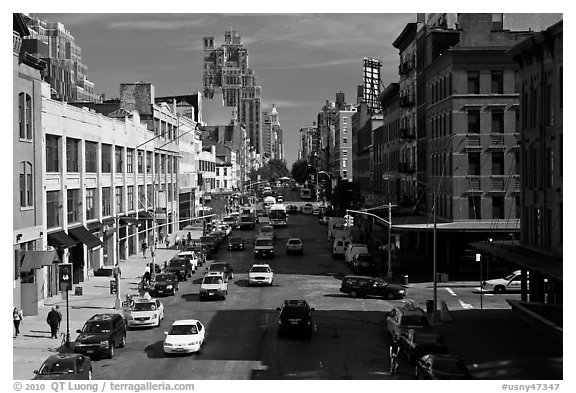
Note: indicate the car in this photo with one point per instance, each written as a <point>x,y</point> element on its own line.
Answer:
<point>353,249</point>
<point>279,198</point>
<point>232,221</point>
<point>364,286</point>
<point>164,284</point>
<point>219,237</point>
<point>267,231</point>
<point>294,245</point>
<point>292,209</point>
<point>223,267</point>
<point>401,319</point>
<point>181,267</point>
<point>100,335</point>
<point>416,343</point>
<point>184,336</point>
<point>145,312</point>
<point>295,317</point>
<point>511,282</point>
<point>225,228</point>
<point>236,243</point>
<point>363,264</point>
<point>263,247</point>
<point>214,286</point>
<point>65,366</point>
<point>339,247</point>
<point>323,220</point>
<point>316,211</point>
<point>260,274</point>
<point>209,245</point>
<point>191,256</point>
<point>307,209</point>
<point>441,366</point>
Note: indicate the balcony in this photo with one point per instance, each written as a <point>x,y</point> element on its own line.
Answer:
<point>496,142</point>
<point>407,133</point>
<point>405,167</point>
<point>498,184</point>
<point>473,142</point>
<point>405,67</point>
<point>407,101</point>
<point>474,185</point>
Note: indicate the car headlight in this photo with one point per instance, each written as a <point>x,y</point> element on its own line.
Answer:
<point>104,343</point>
<point>168,345</point>
<point>169,286</point>
<point>402,291</point>
<point>154,316</point>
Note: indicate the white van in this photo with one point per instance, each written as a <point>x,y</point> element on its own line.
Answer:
<point>354,249</point>
<point>339,247</point>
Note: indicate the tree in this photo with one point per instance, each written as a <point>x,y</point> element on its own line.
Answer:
<point>273,170</point>
<point>346,195</point>
<point>300,171</point>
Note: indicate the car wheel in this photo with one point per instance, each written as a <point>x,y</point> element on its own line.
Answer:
<point>499,289</point>
<point>110,349</point>
<point>90,374</point>
<point>354,294</point>
<point>123,341</point>
<point>389,296</point>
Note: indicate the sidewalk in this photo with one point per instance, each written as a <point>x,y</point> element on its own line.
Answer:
<point>34,344</point>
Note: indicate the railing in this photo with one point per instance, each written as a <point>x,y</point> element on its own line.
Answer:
<point>498,184</point>
<point>473,141</point>
<point>497,140</point>
<point>474,183</point>
<point>16,42</point>
<point>407,133</point>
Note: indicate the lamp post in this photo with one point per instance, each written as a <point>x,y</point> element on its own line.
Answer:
<point>118,302</point>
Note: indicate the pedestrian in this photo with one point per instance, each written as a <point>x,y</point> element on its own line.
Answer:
<point>17,317</point>
<point>53,319</point>
<point>177,241</point>
<point>60,317</point>
<point>144,248</point>
<point>188,238</point>
<point>167,242</point>
<point>394,352</point>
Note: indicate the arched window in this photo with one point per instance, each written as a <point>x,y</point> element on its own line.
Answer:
<point>25,116</point>
<point>26,184</point>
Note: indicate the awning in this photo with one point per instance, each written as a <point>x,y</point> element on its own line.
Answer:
<point>144,215</point>
<point>83,235</point>
<point>61,239</point>
<point>130,221</point>
<point>37,259</point>
<point>511,225</point>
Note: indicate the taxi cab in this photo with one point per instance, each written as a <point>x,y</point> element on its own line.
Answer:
<point>145,312</point>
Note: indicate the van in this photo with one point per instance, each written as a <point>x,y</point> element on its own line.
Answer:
<point>339,247</point>
<point>214,285</point>
<point>354,249</point>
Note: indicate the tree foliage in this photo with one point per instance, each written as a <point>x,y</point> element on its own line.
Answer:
<point>273,170</point>
<point>300,171</point>
<point>346,195</point>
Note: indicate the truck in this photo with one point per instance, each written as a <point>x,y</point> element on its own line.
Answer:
<point>306,193</point>
<point>248,219</point>
<point>334,222</point>
<point>277,215</point>
<point>268,201</point>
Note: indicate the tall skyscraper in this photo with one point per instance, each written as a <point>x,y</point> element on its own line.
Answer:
<point>272,135</point>
<point>226,67</point>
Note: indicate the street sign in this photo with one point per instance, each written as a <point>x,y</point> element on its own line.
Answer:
<point>65,276</point>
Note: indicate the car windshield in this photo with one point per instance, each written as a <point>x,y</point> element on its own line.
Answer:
<point>267,229</point>
<point>449,365</point>
<point>212,280</point>
<point>260,269</point>
<point>217,267</point>
<point>165,277</point>
<point>97,327</point>
<point>294,312</point>
<point>294,241</point>
<point>62,366</point>
<point>144,307</point>
<point>264,242</point>
<point>235,240</point>
<point>178,263</point>
<point>183,330</point>
<point>364,258</point>
<point>415,320</point>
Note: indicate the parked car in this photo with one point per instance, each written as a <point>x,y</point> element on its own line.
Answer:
<point>181,267</point>
<point>339,247</point>
<point>441,366</point>
<point>307,209</point>
<point>214,286</point>
<point>295,317</point>
<point>363,264</point>
<point>292,209</point>
<point>511,282</point>
<point>363,286</point>
<point>232,221</point>
<point>402,319</point>
<point>223,267</point>
<point>209,245</point>
<point>294,246</point>
<point>260,274</point>
<point>236,243</point>
<point>354,249</point>
<point>66,366</point>
<point>192,258</point>
<point>100,335</point>
<point>164,284</point>
<point>184,336</point>
<point>144,312</point>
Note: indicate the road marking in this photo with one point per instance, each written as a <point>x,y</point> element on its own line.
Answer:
<point>265,322</point>
<point>451,292</point>
<point>484,292</point>
<point>465,306</point>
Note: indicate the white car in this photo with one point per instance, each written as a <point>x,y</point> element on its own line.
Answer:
<point>192,257</point>
<point>226,228</point>
<point>339,247</point>
<point>184,336</point>
<point>294,245</point>
<point>214,285</point>
<point>511,282</point>
<point>145,312</point>
<point>260,274</point>
<point>354,249</point>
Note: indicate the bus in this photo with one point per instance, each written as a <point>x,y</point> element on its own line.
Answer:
<point>306,193</point>
<point>277,215</point>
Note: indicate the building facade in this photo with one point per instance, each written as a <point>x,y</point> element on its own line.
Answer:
<point>272,143</point>
<point>387,146</point>
<point>343,167</point>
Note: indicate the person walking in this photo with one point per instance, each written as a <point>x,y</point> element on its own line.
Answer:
<point>17,317</point>
<point>188,238</point>
<point>144,248</point>
<point>53,319</point>
<point>60,319</point>
<point>394,352</point>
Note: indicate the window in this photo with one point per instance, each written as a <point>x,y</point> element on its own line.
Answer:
<point>497,121</point>
<point>73,204</point>
<point>474,164</point>
<point>225,171</point>
<point>118,159</point>
<point>130,191</point>
<point>106,158</point>
<point>344,140</point>
<point>217,171</point>
<point>26,184</point>
<point>498,163</point>
<point>149,195</point>
<point>517,202</point>
<point>140,161</point>
<point>474,207</point>
<point>473,82</point>
<point>90,203</point>
<point>225,183</point>
<point>344,173</point>
<point>148,163</point>
<point>25,116</point>
<point>72,154</point>
<point>549,106</point>
<point>53,207</point>
<point>497,78</point>
<point>52,163</point>
<point>91,149</point>
<point>141,197</point>
<point>474,121</point>
<point>550,167</point>
<point>106,201</point>
<point>497,207</point>
<point>119,199</point>
<point>129,160</point>
<point>344,152</point>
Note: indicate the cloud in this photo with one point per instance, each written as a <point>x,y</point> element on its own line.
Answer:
<point>158,24</point>
<point>321,64</point>
<point>279,104</point>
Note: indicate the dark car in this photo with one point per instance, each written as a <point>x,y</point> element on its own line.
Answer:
<point>218,238</point>
<point>164,284</point>
<point>236,243</point>
<point>198,249</point>
<point>209,245</point>
<point>295,317</point>
<point>223,267</point>
<point>65,366</point>
<point>363,286</point>
<point>292,209</point>
<point>181,267</point>
<point>363,264</point>
<point>100,335</point>
<point>441,366</point>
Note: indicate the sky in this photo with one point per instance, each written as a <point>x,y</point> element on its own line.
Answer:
<point>300,60</point>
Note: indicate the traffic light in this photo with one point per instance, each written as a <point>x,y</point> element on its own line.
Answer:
<point>349,220</point>
<point>65,276</point>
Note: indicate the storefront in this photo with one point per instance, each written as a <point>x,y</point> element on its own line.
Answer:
<point>84,255</point>
<point>32,277</point>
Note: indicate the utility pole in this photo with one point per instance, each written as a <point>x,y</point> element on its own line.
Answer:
<point>118,303</point>
<point>389,275</point>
